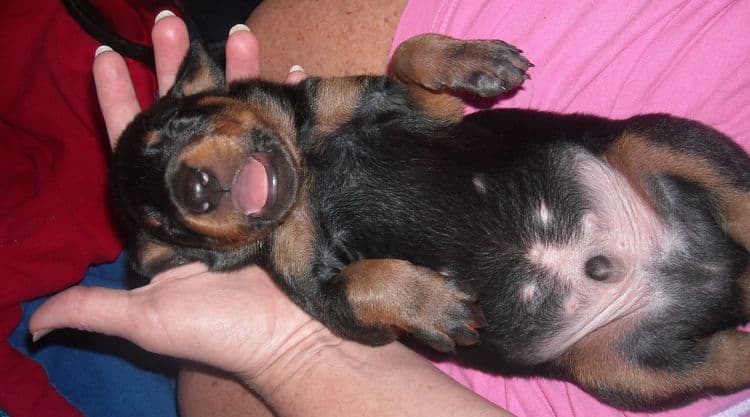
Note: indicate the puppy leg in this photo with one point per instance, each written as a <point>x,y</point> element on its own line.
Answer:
<point>395,294</point>
<point>433,65</point>
<point>697,154</point>
<point>596,364</point>
<point>705,158</point>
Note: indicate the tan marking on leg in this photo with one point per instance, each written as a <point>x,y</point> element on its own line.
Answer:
<point>596,365</point>
<point>636,158</point>
<point>434,67</point>
<point>440,105</point>
<point>395,293</point>
<point>417,63</point>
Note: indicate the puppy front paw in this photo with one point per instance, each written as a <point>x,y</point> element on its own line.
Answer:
<point>447,318</point>
<point>396,294</point>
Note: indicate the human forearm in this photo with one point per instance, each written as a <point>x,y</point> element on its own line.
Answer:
<point>329,377</point>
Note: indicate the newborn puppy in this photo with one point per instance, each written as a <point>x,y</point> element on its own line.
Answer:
<point>612,253</point>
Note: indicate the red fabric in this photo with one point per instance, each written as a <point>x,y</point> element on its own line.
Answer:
<point>54,216</point>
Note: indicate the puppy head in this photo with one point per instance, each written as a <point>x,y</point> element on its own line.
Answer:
<point>205,174</point>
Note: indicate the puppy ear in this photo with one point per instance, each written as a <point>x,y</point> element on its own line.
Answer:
<point>198,72</point>
<point>151,257</point>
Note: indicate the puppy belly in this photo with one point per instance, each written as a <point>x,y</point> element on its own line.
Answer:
<point>605,271</point>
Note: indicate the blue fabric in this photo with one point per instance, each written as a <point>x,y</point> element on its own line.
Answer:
<point>102,376</point>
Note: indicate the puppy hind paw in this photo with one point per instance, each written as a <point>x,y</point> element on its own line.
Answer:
<point>488,68</point>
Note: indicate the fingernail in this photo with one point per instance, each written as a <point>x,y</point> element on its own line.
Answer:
<point>102,49</point>
<point>238,27</point>
<point>296,68</point>
<point>162,14</point>
<point>38,335</point>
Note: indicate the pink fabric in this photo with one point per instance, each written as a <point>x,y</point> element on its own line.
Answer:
<point>611,58</point>
<point>614,58</point>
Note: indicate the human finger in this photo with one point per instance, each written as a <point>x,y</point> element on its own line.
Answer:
<point>170,39</point>
<point>243,54</point>
<point>296,74</point>
<point>115,91</point>
<point>183,271</point>
<point>97,309</point>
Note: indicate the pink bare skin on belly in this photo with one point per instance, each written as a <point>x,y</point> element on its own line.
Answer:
<point>620,226</point>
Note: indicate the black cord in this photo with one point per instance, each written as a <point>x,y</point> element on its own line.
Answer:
<point>97,27</point>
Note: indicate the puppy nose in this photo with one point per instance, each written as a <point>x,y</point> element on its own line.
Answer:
<point>197,190</point>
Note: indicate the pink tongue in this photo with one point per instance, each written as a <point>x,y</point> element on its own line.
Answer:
<point>250,188</point>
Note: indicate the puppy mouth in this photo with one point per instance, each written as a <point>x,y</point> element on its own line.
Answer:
<point>264,185</point>
<point>258,185</point>
<point>255,185</point>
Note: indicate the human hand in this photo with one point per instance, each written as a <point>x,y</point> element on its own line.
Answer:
<point>240,321</point>
<point>170,39</point>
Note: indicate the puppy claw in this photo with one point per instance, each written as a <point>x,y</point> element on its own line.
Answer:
<point>490,68</point>
<point>478,319</point>
<point>438,341</point>
<point>466,336</point>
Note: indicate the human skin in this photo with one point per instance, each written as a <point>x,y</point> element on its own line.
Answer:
<point>245,325</point>
<point>326,37</point>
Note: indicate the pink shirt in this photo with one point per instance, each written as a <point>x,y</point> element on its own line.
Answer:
<point>614,58</point>
<point>611,58</point>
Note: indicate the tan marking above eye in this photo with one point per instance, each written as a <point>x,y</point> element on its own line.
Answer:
<point>229,228</point>
<point>280,121</point>
<point>152,221</point>
<point>152,138</point>
<point>336,102</point>
<point>200,81</point>
<point>239,117</point>
<point>212,100</point>
<point>213,151</point>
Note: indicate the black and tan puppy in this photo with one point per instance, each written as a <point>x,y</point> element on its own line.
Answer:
<point>613,253</point>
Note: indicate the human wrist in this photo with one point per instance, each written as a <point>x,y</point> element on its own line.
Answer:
<point>316,369</point>
<point>338,377</point>
<point>294,357</point>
